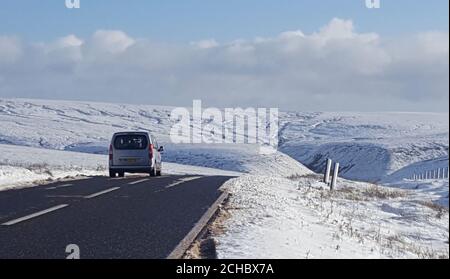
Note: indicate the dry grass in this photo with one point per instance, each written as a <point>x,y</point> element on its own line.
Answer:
<point>297,177</point>
<point>369,193</point>
<point>202,249</point>
<point>383,193</point>
<point>441,211</point>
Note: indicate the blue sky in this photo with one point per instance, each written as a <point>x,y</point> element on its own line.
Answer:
<point>299,55</point>
<point>184,21</point>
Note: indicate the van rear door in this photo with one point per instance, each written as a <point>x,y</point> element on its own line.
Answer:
<point>131,150</point>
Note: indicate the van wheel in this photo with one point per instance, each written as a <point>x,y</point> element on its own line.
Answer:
<point>121,174</point>
<point>112,174</point>
<point>153,172</point>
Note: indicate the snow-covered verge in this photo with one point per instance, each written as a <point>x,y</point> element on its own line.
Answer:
<point>26,166</point>
<point>298,217</point>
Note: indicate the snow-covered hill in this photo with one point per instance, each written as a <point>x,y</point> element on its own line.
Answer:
<point>82,127</point>
<point>369,146</point>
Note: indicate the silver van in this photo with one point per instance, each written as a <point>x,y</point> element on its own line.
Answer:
<point>134,152</point>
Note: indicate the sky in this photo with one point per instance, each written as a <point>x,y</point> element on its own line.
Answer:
<point>293,54</point>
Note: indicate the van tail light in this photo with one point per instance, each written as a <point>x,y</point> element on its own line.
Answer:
<point>150,151</point>
<point>110,152</point>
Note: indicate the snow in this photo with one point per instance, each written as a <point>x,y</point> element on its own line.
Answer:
<point>88,127</point>
<point>279,208</point>
<point>368,146</point>
<point>435,190</point>
<point>274,217</point>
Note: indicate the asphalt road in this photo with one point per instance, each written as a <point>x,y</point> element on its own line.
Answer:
<point>127,218</point>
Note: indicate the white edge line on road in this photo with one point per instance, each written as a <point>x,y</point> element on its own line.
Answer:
<point>101,193</point>
<point>34,215</point>
<point>137,182</point>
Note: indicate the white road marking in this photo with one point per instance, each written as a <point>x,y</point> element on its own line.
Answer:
<point>101,193</point>
<point>183,180</point>
<point>34,215</point>
<point>60,186</point>
<point>137,182</point>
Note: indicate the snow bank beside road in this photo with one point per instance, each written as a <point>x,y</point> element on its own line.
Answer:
<point>274,217</point>
<point>244,158</point>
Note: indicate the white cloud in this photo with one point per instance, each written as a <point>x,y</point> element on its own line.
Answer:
<point>205,44</point>
<point>111,41</point>
<point>10,49</point>
<point>335,68</point>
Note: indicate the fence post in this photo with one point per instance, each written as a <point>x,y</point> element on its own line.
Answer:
<point>335,176</point>
<point>326,179</point>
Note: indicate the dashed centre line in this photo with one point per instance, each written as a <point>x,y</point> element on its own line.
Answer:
<point>138,181</point>
<point>183,180</point>
<point>34,215</point>
<point>102,193</point>
<point>55,208</point>
<point>60,186</point>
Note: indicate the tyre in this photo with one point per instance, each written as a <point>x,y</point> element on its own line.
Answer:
<point>112,174</point>
<point>121,174</point>
<point>153,172</point>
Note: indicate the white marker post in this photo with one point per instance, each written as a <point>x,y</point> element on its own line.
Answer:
<point>335,176</point>
<point>326,179</point>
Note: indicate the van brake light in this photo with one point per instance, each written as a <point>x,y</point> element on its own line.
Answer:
<point>150,151</point>
<point>110,152</point>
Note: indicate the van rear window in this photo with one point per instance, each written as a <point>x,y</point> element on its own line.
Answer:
<point>129,142</point>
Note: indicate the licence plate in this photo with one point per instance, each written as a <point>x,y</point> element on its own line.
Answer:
<point>129,160</point>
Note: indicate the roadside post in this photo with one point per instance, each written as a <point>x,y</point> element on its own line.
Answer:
<point>326,179</point>
<point>335,176</point>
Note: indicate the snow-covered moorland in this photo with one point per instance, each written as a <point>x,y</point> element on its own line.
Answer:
<point>369,146</point>
<point>298,217</point>
<point>278,207</point>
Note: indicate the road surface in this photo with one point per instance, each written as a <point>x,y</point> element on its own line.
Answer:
<point>125,218</point>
